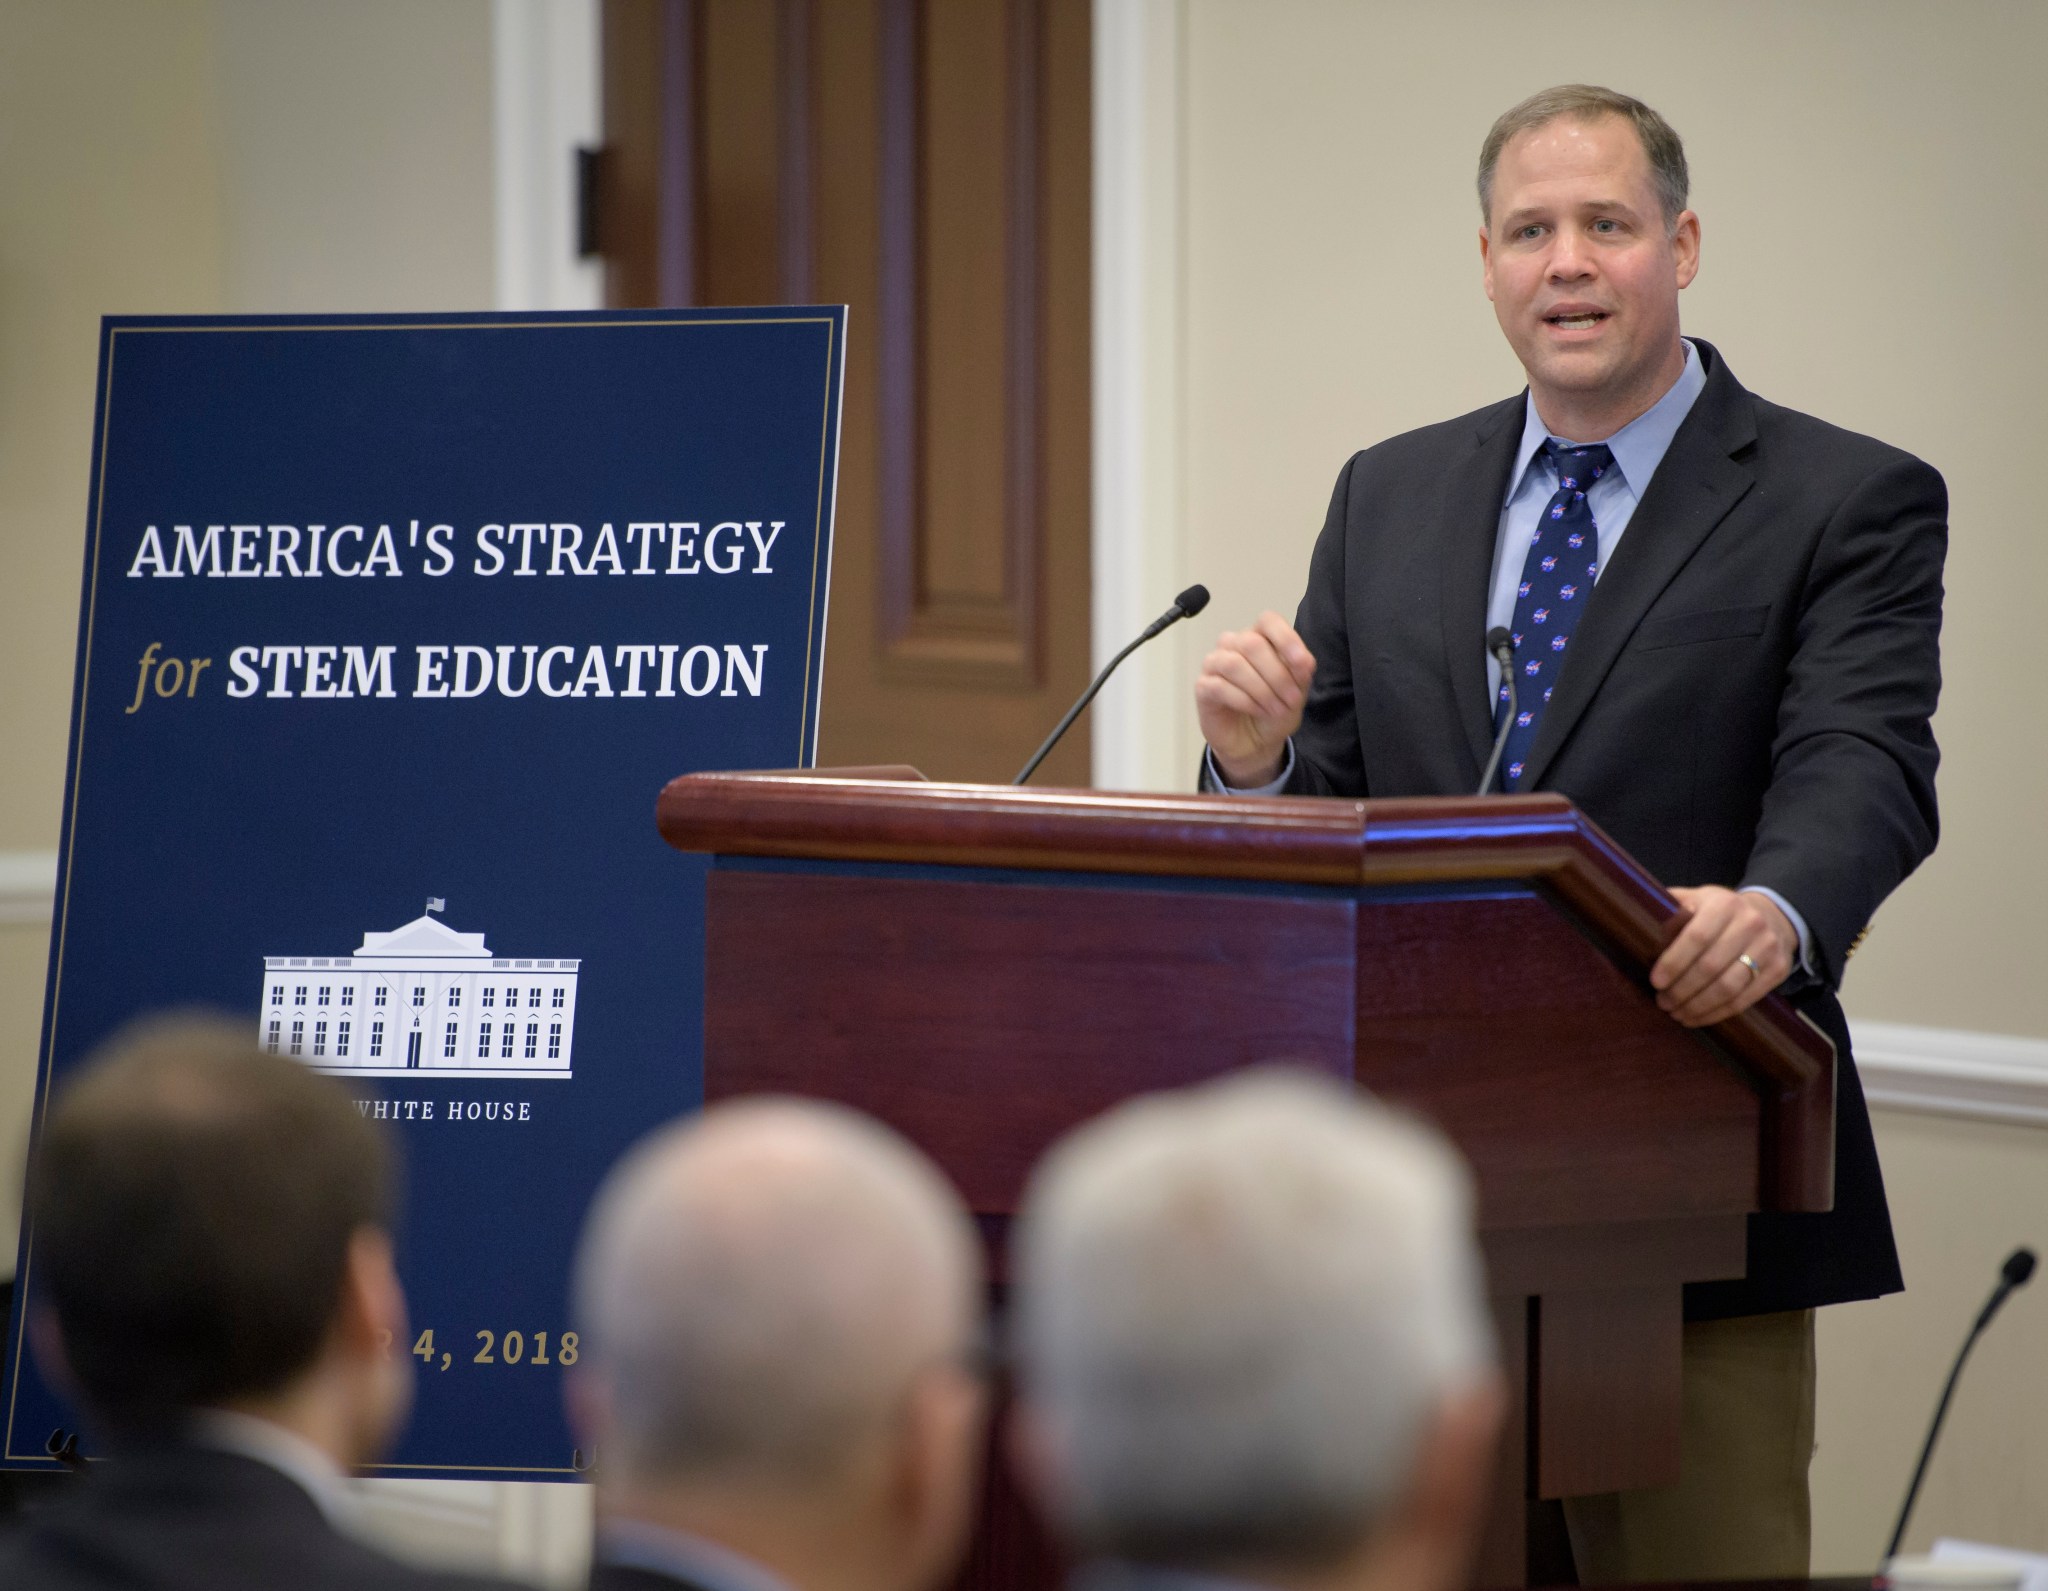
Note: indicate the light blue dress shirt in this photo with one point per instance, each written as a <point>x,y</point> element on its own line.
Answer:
<point>1638,448</point>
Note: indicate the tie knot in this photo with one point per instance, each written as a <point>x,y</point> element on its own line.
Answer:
<point>1579,467</point>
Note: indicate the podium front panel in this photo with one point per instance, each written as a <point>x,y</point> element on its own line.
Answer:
<point>984,1016</point>
<point>983,1012</point>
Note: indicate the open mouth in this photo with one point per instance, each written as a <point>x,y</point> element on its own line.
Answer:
<point>1576,320</point>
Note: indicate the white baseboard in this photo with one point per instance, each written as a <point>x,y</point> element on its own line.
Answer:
<point>28,883</point>
<point>1949,1072</point>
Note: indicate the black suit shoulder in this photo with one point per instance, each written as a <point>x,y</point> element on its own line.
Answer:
<point>620,1577</point>
<point>200,1520</point>
<point>1819,470</point>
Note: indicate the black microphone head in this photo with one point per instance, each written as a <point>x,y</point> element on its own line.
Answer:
<point>2018,1269</point>
<point>1192,601</point>
<point>1497,639</point>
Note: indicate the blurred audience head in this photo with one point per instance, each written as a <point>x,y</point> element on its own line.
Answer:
<point>211,1232</point>
<point>1253,1338</point>
<point>780,1304</point>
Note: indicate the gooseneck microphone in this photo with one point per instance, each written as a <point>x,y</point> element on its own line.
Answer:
<point>1185,606</point>
<point>2017,1271</point>
<point>1497,642</point>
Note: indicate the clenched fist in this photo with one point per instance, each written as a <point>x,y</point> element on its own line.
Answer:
<point>1250,696</point>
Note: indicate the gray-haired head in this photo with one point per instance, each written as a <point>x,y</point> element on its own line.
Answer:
<point>1240,1306</point>
<point>1662,146</point>
<point>758,1287</point>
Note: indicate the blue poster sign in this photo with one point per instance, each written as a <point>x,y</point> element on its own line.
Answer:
<point>392,630</point>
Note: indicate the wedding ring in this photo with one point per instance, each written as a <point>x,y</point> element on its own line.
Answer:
<point>1754,969</point>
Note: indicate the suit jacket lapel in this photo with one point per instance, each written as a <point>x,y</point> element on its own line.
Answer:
<point>1475,485</point>
<point>1695,486</point>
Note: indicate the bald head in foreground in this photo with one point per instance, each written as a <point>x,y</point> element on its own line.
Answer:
<point>780,1306</point>
<point>1254,1343</point>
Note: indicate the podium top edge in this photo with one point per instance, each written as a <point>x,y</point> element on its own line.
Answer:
<point>892,814</point>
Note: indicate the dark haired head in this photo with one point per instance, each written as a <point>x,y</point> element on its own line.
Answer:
<point>194,1201</point>
<point>1662,146</point>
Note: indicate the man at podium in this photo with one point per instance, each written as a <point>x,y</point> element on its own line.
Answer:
<point>1714,624</point>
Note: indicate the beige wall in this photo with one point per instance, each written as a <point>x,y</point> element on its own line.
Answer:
<point>1864,172</point>
<point>356,155</point>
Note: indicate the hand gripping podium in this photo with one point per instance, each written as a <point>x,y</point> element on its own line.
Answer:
<point>985,967</point>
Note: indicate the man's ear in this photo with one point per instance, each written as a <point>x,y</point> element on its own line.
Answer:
<point>1685,244</point>
<point>1029,1447</point>
<point>1445,1506</point>
<point>1486,261</point>
<point>587,1400</point>
<point>371,1318</point>
<point>936,1473</point>
<point>370,1347</point>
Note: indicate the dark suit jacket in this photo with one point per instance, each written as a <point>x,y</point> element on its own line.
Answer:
<point>195,1519</point>
<point>1746,700</point>
<point>617,1577</point>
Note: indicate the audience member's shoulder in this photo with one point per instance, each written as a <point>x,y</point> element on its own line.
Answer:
<point>67,1547</point>
<point>346,1561</point>
<point>621,1577</point>
<point>417,1579</point>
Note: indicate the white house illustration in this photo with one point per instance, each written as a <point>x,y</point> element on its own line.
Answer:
<point>419,999</point>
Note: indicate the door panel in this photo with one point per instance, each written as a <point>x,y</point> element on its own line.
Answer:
<point>927,164</point>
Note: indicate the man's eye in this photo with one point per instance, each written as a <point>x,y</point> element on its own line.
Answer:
<point>1530,232</point>
<point>1606,226</point>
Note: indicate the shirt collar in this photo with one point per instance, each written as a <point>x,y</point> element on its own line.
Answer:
<point>636,1544</point>
<point>290,1454</point>
<point>1638,447</point>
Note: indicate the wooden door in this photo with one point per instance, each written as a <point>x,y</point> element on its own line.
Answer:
<point>925,162</point>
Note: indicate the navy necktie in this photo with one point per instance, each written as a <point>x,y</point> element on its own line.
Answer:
<point>1557,580</point>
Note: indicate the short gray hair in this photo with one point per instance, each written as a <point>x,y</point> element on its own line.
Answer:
<point>1239,1306</point>
<point>1586,102</point>
<point>761,1284</point>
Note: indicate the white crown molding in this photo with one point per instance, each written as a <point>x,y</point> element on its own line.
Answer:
<point>1949,1072</point>
<point>28,883</point>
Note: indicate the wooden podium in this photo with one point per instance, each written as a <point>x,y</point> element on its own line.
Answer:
<point>985,967</point>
